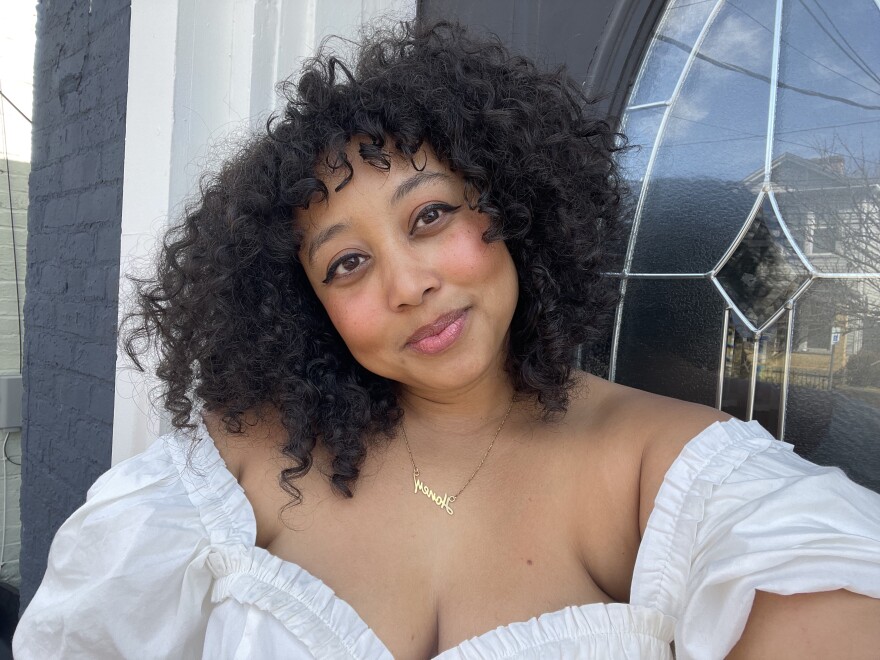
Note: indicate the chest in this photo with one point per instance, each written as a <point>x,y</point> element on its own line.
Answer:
<point>422,598</point>
<point>423,580</point>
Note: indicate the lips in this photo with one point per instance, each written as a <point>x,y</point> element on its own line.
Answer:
<point>439,334</point>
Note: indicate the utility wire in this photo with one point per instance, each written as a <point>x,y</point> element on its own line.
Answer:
<point>853,55</point>
<point>6,455</point>
<point>12,231</point>
<point>9,101</point>
<point>791,46</point>
<point>745,135</point>
<point>690,4</point>
<point>763,78</point>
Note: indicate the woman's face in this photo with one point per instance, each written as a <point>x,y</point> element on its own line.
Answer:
<point>398,261</point>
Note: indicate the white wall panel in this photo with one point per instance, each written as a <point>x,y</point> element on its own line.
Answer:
<point>202,74</point>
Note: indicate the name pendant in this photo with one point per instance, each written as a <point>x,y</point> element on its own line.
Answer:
<point>444,502</point>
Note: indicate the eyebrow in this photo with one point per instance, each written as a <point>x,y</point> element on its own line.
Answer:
<point>402,190</point>
<point>325,235</point>
<point>415,181</point>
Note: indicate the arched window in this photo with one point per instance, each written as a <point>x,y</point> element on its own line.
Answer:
<point>751,278</point>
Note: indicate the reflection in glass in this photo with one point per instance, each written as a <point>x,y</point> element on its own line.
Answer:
<point>640,129</point>
<point>770,376</point>
<point>833,414</point>
<point>738,356</point>
<point>763,273</point>
<point>807,267</point>
<point>833,214</point>
<point>762,400</point>
<point>713,138</point>
<point>668,52</point>
<point>652,355</point>
<point>827,133</point>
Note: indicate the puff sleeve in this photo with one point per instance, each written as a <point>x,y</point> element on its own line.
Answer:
<point>127,574</point>
<point>738,512</point>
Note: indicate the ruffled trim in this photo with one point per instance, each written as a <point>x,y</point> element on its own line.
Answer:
<point>664,559</point>
<point>219,499</point>
<point>301,602</point>
<point>571,624</point>
<point>252,575</point>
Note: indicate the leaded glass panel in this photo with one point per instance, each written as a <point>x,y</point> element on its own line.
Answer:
<point>641,130</point>
<point>738,366</point>
<point>834,392</point>
<point>754,373</point>
<point>752,274</point>
<point>764,272</point>
<point>827,133</point>
<point>679,28</point>
<point>713,139</point>
<point>653,357</point>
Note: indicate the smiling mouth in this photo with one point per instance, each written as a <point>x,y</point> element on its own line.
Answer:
<point>439,335</point>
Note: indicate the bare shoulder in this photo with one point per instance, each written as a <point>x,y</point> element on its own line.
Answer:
<point>253,456</point>
<point>652,428</point>
<point>256,441</point>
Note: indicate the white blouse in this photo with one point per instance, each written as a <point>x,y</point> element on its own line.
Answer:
<point>160,562</point>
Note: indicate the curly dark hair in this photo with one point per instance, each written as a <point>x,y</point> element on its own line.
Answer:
<point>237,324</point>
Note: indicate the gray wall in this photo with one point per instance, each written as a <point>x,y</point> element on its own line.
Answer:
<point>80,87</point>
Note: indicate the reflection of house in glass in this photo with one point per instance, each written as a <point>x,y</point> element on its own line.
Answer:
<point>831,207</point>
<point>751,276</point>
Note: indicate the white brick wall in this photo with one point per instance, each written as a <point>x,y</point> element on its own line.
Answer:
<point>10,522</point>
<point>17,40</point>
<point>10,469</point>
<point>9,316</point>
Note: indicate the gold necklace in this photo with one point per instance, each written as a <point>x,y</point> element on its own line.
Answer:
<point>445,501</point>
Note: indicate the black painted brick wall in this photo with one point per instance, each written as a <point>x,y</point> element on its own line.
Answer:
<point>80,87</point>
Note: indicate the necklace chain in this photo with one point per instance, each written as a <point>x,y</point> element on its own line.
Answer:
<point>445,501</point>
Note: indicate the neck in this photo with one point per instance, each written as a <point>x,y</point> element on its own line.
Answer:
<point>454,430</point>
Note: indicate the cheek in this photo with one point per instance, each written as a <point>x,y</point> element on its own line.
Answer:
<point>344,316</point>
<point>351,316</point>
<point>468,256</point>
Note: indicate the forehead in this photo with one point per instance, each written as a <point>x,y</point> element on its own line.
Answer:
<point>368,182</point>
<point>333,171</point>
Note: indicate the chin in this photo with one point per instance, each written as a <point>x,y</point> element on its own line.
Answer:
<point>454,372</point>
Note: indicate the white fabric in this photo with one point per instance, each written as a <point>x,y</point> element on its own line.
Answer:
<point>160,563</point>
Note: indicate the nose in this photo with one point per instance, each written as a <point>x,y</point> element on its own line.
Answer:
<point>409,280</point>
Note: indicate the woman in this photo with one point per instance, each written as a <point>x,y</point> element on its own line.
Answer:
<point>366,328</point>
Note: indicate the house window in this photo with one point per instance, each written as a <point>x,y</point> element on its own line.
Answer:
<point>751,277</point>
<point>822,239</point>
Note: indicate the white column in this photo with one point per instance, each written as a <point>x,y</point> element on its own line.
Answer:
<point>145,196</point>
<point>202,74</point>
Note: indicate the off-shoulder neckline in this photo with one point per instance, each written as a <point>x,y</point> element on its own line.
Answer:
<point>230,521</point>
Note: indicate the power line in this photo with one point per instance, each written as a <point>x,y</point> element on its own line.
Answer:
<point>746,135</point>
<point>798,50</point>
<point>9,101</point>
<point>763,78</point>
<point>690,4</point>
<point>12,231</point>
<point>853,55</point>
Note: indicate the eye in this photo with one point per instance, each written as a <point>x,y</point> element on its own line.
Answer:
<point>431,215</point>
<point>345,266</point>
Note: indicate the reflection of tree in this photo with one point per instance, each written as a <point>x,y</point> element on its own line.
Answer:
<point>832,205</point>
<point>845,219</point>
